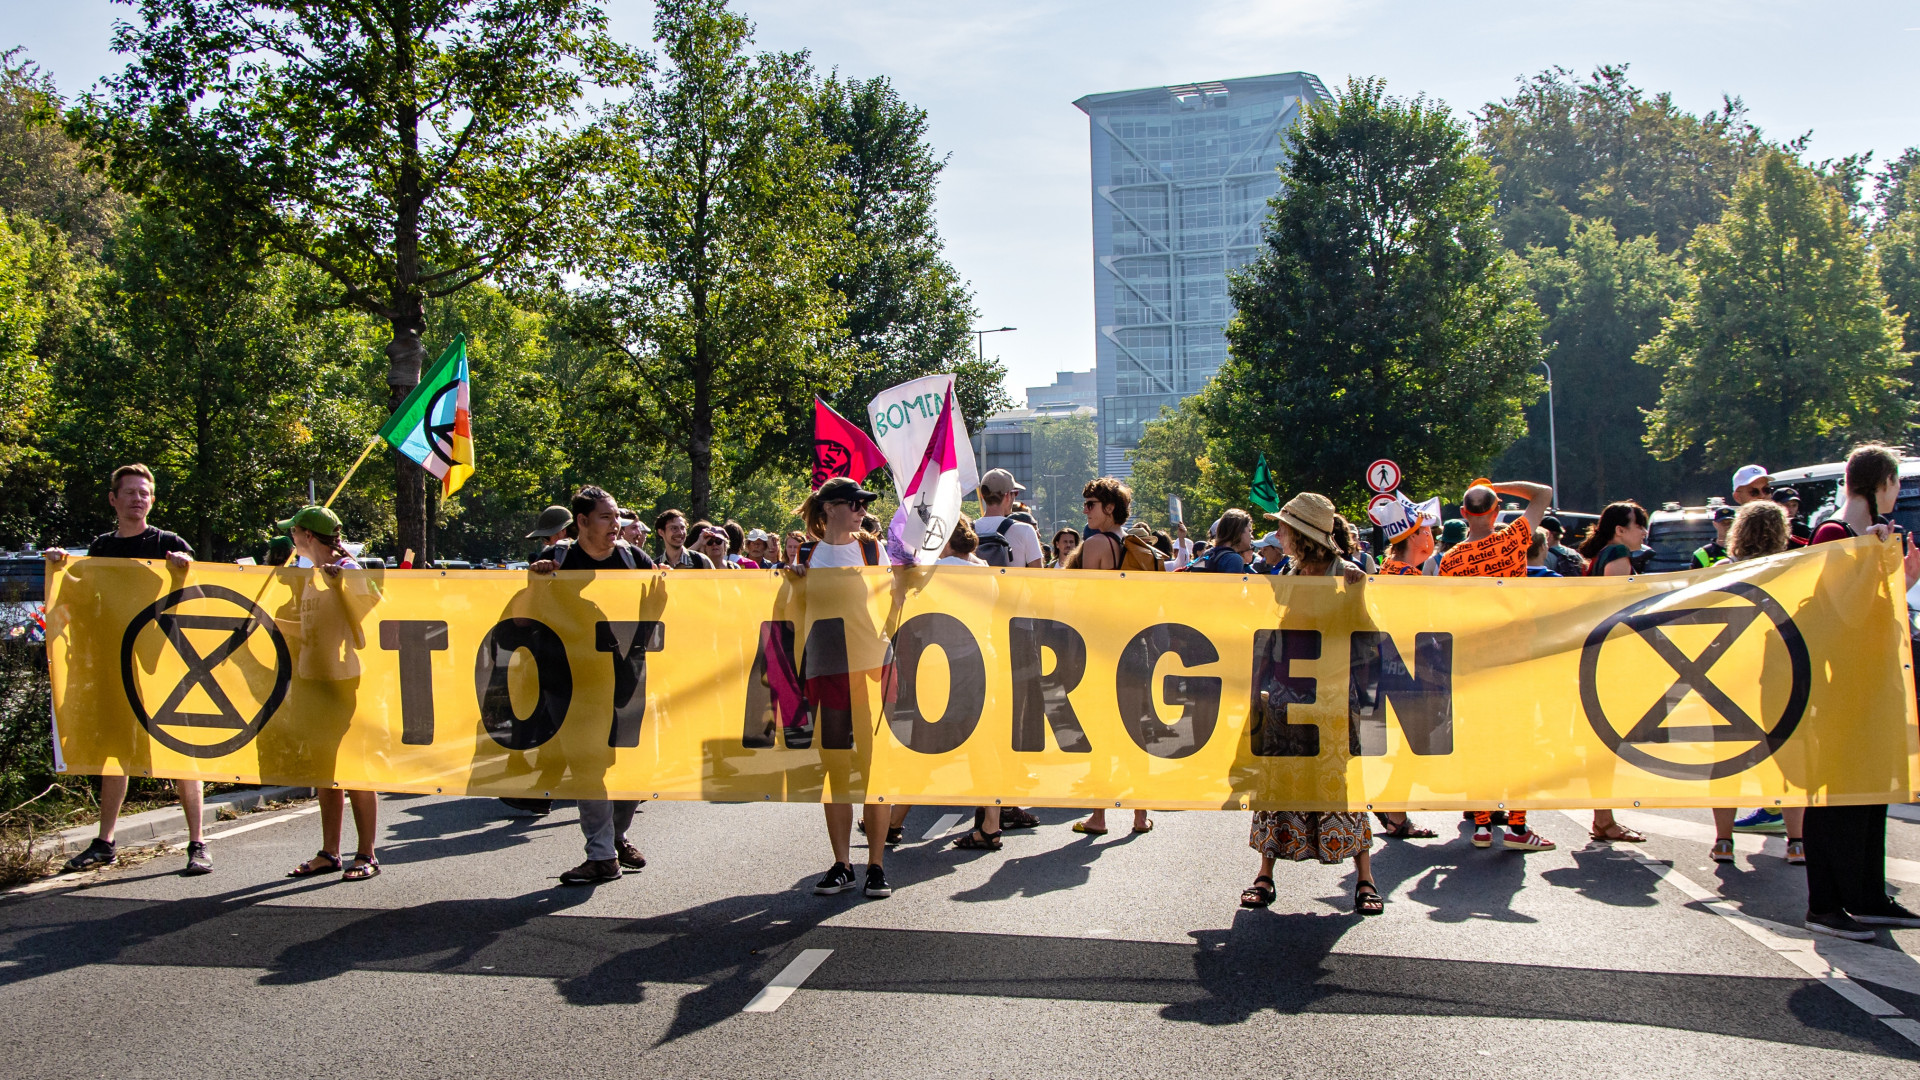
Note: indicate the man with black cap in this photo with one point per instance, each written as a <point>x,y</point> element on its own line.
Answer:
<point>1561,559</point>
<point>1716,552</point>
<point>1789,501</point>
<point>554,521</point>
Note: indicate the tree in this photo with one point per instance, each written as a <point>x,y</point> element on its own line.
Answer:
<point>908,312</point>
<point>406,148</point>
<point>41,174</point>
<point>1603,298</point>
<point>1381,318</point>
<point>23,378</point>
<point>717,230</point>
<point>1785,351</point>
<point>205,369</point>
<point>1896,244</point>
<point>1063,462</point>
<point>1606,149</point>
<point>1177,455</point>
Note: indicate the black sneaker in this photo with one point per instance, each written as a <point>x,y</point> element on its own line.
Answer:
<point>197,861</point>
<point>592,872</point>
<point>838,880</point>
<point>98,854</point>
<point>534,807</point>
<point>877,883</point>
<point>630,856</point>
<point>1891,915</point>
<point>1839,924</point>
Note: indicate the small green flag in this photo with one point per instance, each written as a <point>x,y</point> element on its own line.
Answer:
<point>1263,495</point>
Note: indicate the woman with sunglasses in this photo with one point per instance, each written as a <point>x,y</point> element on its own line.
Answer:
<point>834,516</point>
<point>712,542</point>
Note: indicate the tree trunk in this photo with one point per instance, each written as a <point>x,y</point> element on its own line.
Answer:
<point>700,459</point>
<point>406,355</point>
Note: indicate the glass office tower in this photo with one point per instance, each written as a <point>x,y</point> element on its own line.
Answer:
<point>1181,178</point>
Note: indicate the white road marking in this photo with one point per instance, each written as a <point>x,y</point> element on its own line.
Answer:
<point>776,993</point>
<point>946,824</point>
<point>1906,870</point>
<point>1816,956</point>
<point>252,825</point>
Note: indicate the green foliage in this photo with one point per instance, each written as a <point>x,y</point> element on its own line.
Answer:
<point>1063,462</point>
<point>1607,150</point>
<point>1785,352</point>
<point>1603,298</point>
<point>41,175</point>
<point>1896,245</point>
<point>1178,456</point>
<point>716,232</point>
<point>1382,317</point>
<point>407,149</point>
<point>908,312</point>
<point>204,368</point>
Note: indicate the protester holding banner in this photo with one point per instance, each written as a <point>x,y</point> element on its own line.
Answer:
<point>1306,526</point>
<point>327,678</point>
<point>1490,551</point>
<point>1759,529</point>
<point>1107,502</point>
<point>130,492</point>
<point>1847,845</point>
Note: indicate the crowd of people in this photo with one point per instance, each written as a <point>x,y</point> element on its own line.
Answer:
<point>1842,847</point>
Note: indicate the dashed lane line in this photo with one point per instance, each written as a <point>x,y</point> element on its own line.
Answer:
<point>946,824</point>
<point>1798,947</point>
<point>776,993</point>
<point>1906,870</point>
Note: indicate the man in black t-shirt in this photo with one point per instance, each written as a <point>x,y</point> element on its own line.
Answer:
<point>598,547</point>
<point>131,496</point>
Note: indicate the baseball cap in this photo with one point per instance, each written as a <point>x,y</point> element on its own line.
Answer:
<point>1725,513</point>
<point>844,489</point>
<point>1782,494</point>
<point>1747,474</point>
<point>758,535</point>
<point>1271,540</point>
<point>314,519</point>
<point>553,521</point>
<point>999,482</point>
<point>1552,525</point>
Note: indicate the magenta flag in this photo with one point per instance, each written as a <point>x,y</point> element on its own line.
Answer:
<point>840,448</point>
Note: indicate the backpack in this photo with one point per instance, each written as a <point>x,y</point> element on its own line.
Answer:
<point>1137,554</point>
<point>994,549</point>
<point>869,552</point>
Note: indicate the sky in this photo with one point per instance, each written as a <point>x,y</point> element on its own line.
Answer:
<point>998,80</point>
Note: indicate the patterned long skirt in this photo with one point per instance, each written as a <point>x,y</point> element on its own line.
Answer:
<point>1330,836</point>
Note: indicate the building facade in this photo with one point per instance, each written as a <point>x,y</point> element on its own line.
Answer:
<point>1070,388</point>
<point>1181,179</point>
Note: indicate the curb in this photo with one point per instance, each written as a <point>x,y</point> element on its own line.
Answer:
<point>150,825</point>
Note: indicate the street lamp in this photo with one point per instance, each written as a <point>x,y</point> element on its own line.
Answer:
<point>980,338</point>
<point>1553,439</point>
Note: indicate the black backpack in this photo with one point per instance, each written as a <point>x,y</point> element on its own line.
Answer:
<point>994,549</point>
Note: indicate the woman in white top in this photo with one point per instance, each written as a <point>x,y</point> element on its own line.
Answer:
<point>833,516</point>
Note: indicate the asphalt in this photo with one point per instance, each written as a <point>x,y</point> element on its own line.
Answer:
<point>1064,955</point>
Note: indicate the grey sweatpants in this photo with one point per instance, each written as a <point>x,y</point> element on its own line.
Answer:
<point>604,822</point>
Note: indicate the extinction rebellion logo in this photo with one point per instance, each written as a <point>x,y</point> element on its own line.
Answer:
<point>207,656</point>
<point>1703,725</point>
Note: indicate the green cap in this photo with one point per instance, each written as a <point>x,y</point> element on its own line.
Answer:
<point>314,519</point>
<point>279,549</point>
<point>1453,532</point>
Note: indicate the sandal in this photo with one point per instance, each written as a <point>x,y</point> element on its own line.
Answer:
<point>330,864</point>
<point>1616,832</point>
<point>1258,895</point>
<point>896,834</point>
<point>979,840</point>
<point>1367,900</point>
<point>364,867</point>
<point>1406,830</point>
<point>1013,817</point>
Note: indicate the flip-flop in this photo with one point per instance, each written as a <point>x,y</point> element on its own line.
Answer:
<point>1081,827</point>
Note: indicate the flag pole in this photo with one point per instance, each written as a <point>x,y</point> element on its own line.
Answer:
<point>376,441</point>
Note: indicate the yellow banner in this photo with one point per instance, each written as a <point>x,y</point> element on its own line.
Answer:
<point>1785,681</point>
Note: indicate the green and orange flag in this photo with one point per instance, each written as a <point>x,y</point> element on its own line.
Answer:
<point>434,426</point>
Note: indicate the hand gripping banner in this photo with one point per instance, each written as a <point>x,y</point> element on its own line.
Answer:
<point>1784,681</point>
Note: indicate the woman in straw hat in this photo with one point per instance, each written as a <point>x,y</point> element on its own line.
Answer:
<point>1305,526</point>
